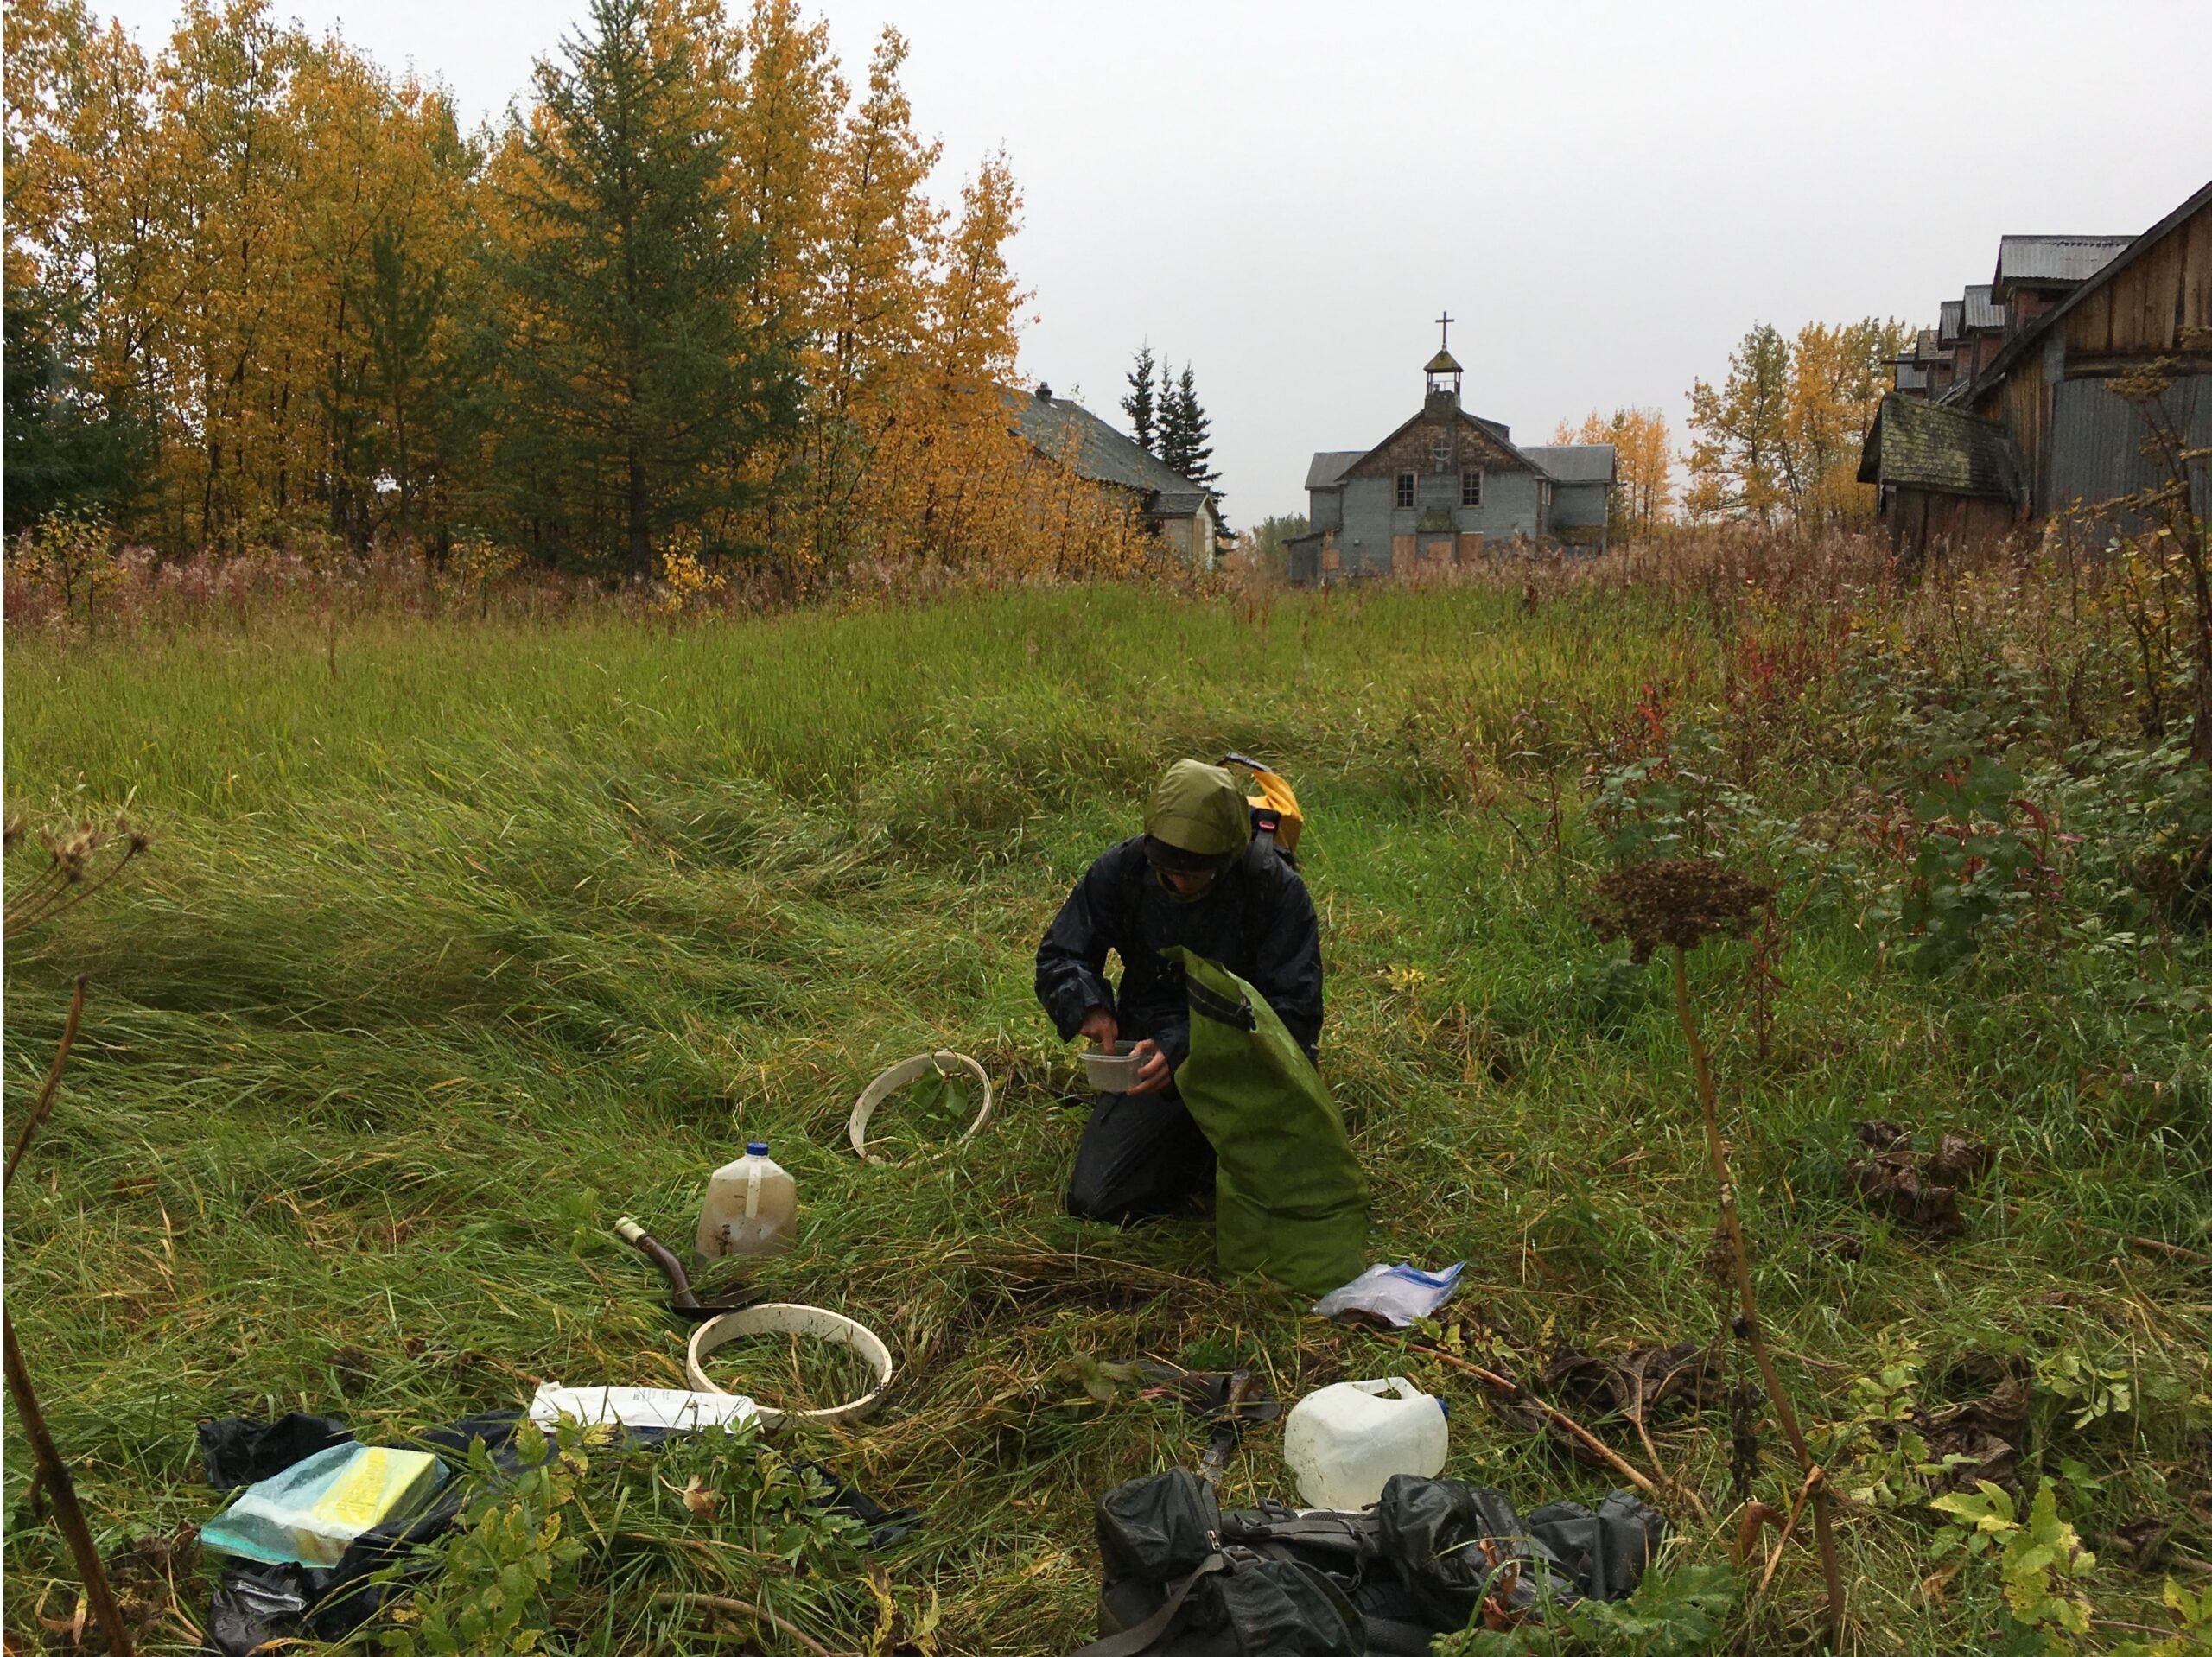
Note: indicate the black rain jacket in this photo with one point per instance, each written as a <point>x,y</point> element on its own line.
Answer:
<point>1255,920</point>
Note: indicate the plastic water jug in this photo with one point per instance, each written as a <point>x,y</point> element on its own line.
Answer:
<point>752,1208</point>
<point>1344,1442</point>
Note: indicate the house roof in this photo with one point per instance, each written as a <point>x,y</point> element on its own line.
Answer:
<point>1981,311</point>
<point>1949,316</point>
<point>1186,502</point>
<point>2056,258</point>
<point>1575,462</point>
<point>1065,430</point>
<point>1928,350</point>
<point>2030,337</point>
<point>1328,466</point>
<point>1912,376</point>
<point>1920,445</point>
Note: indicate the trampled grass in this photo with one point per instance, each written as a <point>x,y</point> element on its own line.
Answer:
<point>460,940</point>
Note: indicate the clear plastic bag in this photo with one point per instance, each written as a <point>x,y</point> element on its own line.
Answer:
<point>315,1510</point>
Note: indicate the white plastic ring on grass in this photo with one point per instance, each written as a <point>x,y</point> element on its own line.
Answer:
<point>782,1318</point>
<point>906,1072</point>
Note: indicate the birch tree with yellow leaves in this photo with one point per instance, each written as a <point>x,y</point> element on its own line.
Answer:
<point>1778,439</point>
<point>1643,457</point>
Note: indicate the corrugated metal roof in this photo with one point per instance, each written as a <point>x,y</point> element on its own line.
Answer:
<point>1328,466</point>
<point>1065,431</point>
<point>1912,376</point>
<point>1928,351</point>
<point>1947,317</point>
<point>1920,445</point>
<point>2030,337</point>
<point>1981,311</point>
<point>1575,462</point>
<point>2056,258</point>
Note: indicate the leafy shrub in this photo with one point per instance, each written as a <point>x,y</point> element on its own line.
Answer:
<point>1674,1612</point>
<point>536,1551</point>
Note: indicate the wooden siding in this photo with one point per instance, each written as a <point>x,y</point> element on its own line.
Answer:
<point>2141,311</point>
<point>1922,520</point>
<point>2127,318</point>
<point>1414,448</point>
<point>2021,403</point>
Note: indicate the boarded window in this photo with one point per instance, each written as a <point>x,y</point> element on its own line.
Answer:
<point>1405,489</point>
<point>1470,488</point>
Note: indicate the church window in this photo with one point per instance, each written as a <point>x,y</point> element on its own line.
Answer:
<point>1405,489</point>
<point>1470,488</point>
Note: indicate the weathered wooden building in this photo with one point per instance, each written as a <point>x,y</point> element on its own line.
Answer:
<point>1186,515</point>
<point>1445,488</point>
<point>1948,476</point>
<point>2031,425</point>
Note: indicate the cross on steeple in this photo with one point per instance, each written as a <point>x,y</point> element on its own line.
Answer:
<point>1445,321</point>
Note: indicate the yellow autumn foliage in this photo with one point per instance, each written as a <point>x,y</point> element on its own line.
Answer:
<point>274,253</point>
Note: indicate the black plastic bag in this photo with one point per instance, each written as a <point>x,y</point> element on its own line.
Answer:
<point>1420,1563</point>
<point>256,1603</point>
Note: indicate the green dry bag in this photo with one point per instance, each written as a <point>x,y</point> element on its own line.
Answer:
<point>1289,1202</point>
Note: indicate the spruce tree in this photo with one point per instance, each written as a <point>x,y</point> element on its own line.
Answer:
<point>1185,432</point>
<point>639,392</point>
<point>1140,406</point>
<point>66,449</point>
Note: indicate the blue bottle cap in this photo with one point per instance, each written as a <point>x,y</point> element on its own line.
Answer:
<point>757,1148</point>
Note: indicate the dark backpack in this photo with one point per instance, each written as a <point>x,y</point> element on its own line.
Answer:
<point>1184,1580</point>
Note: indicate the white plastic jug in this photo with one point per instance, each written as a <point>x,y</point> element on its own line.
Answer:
<point>1344,1442</point>
<point>752,1208</point>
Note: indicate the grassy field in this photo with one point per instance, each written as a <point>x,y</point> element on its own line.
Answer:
<point>457,941</point>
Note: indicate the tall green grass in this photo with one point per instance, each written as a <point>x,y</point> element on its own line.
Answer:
<point>459,941</point>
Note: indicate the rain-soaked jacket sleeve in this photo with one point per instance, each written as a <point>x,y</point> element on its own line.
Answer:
<point>1286,962</point>
<point>1071,961</point>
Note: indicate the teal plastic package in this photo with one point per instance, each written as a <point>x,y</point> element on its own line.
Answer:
<point>313,1510</point>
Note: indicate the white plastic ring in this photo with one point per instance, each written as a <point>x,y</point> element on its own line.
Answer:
<point>782,1318</point>
<point>904,1073</point>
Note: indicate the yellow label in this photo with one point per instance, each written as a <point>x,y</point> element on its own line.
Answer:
<point>357,1499</point>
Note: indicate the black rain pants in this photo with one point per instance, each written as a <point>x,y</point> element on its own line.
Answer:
<point>1142,1155</point>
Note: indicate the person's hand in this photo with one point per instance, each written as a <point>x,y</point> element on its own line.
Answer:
<point>1099,1028</point>
<point>1153,1073</point>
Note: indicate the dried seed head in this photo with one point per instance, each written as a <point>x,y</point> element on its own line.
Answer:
<point>74,851</point>
<point>1681,902</point>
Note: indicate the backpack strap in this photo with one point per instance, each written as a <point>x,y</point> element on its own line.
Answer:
<point>1131,1642</point>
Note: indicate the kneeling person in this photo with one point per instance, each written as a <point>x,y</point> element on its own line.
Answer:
<point>1195,878</point>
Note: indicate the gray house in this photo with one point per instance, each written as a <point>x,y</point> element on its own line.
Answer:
<point>1186,515</point>
<point>1443,489</point>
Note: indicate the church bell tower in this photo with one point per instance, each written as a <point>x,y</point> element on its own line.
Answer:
<point>1442,396</point>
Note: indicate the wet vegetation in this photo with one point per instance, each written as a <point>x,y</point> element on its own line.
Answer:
<point>465,930</point>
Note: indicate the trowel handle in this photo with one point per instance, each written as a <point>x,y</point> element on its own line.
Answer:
<point>671,1268</point>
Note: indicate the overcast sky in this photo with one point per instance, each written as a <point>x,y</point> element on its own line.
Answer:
<point>1604,195</point>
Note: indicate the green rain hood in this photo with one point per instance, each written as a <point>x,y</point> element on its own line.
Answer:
<point>1290,1200</point>
<point>1199,808</point>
